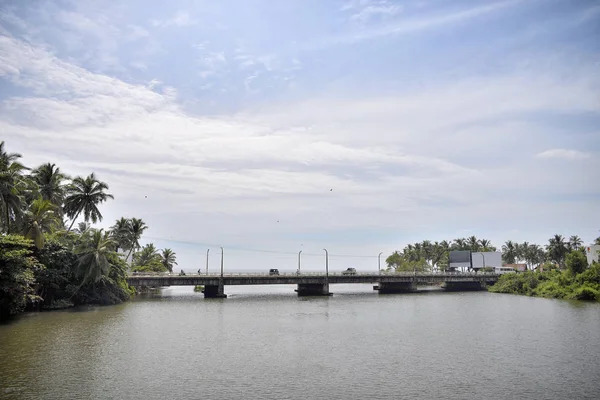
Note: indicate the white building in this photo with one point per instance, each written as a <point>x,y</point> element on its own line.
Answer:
<point>592,252</point>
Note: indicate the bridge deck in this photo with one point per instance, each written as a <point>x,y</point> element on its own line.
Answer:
<point>286,279</point>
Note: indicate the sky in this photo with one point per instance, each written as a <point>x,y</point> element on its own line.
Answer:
<point>272,127</point>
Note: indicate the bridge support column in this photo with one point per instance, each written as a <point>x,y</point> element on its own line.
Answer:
<point>313,289</point>
<point>214,291</point>
<point>463,286</point>
<point>396,287</point>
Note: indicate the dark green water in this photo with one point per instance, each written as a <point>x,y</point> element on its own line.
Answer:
<point>266,343</point>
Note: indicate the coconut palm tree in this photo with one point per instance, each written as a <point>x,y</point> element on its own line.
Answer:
<point>146,256</point>
<point>509,252</point>
<point>83,227</point>
<point>459,244</point>
<point>50,182</point>
<point>39,219</point>
<point>473,243</point>
<point>12,186</point>
<point>557,249</point>
<point>135,230</point>
<point>93,255</point>
<point>168,259</point>
<point>575,243</point>
<point>84,195</point>
<point>119,232</point>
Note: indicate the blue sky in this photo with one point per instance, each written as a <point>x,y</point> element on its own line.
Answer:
<point>359,125</point>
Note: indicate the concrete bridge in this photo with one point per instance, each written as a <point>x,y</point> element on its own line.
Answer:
<point>318,284</point>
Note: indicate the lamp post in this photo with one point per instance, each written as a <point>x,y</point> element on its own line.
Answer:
<point>221,262</point>
<point>300,252</point>
<point>379,263</point>
<point>483,256</point>
<point>207,251</point>
<point>326,264</point>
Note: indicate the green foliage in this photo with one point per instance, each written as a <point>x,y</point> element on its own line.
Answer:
<point>576,262</point>
<point>84,195</point>
<point>553,284</point>
<point>17,280</point>
<point>148,260</point>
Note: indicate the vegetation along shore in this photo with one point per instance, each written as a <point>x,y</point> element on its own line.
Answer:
<point>47,261</point>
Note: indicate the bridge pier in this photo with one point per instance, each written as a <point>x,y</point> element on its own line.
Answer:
<point>313,289</point>
<point>396,287</point>
<point>464,286</point>
<point>214,291</point>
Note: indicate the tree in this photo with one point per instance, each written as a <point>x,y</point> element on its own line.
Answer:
<point>11,186</point>
<point>473,243</point>
<point>38,220</point>
<point>557,249</point>
<point>84,195</point>
<point>148,259</point>
<point>168,259</point>
<point>575,243</point>
<point>576,262</point>
<point>17,269</point>
<point>93,253</point>
<point>50,182</point>
<point>120,231</point>
<point>509,252</point>
<point>135,230</point>
<point>533,255</point>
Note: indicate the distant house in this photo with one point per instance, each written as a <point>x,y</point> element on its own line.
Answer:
<point>517,267</point>
<point>592,252</point>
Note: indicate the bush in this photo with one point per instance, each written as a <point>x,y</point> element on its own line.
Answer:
<point>585,293</point>
<point>576,262</point>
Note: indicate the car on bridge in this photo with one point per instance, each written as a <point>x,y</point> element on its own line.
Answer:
<point>273,271</point>
<point>349,271</point>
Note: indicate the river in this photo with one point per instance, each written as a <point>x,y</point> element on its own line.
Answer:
<point>266,343</point>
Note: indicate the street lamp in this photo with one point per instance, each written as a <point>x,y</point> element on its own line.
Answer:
<point>221,262</point>
<point>483,256</point>
<point>207,250</point>
<point>326,264</point>
<point>300,252</point>
<point>379,263</point>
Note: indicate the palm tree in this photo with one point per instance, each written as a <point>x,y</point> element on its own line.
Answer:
<point>84,195</point>
<point>39,219</point>
<point>575,243</point>
<point>459,244</point>
<point>509,252</point>
<point>557,249</point>
<point>11,186</point>
<point>119,232</point>
<point>168,259</point>
<point>50,182</point>
<point>83,227</point>
<point>473,243</point>
<point>148,254</point>
<point>93,255</point>
<point>135,230</point>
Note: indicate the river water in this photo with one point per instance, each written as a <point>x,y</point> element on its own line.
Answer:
<point>266,343</point>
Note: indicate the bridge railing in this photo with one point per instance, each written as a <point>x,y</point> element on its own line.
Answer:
<point>316,274</point>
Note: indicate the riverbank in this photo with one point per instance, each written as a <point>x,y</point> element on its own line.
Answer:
<point>553,284</point>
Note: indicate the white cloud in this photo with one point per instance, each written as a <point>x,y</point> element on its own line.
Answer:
<point>415,24</point>
<point>180,19</point>
<point>427,162</point>
<point>364,11</point>
<point>564,154</point>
